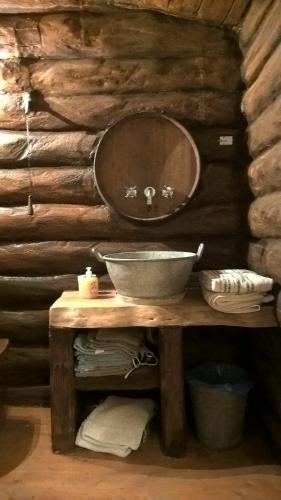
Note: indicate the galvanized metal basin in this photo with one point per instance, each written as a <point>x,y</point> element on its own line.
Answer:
<point>150,276</point>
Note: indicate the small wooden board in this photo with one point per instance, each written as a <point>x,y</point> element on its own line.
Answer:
<point>108,310</point>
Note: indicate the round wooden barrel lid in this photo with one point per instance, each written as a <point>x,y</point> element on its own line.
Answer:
<point>146,166</point>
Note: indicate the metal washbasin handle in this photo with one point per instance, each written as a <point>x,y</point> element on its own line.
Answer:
<point>98,255</point>
<point>199,251</point>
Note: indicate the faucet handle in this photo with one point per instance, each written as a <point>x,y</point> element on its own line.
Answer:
<point>167,192</point>
<point>131,192</point>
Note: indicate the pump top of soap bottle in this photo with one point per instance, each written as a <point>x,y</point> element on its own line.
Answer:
<point>88,272</point>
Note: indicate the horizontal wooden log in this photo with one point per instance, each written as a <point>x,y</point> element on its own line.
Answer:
<point>252,21</point>
<point>52,222</point>
<point>26,366</point>
<point>90,76</point>
<point>71,148</point>
<point>265,216</point>
<point>34,291</point>
<point>98,111</point>
<point>265,88</point>
<point>29,395</point>
<point>265,130</point>
<point>266,39</point>
<point>25,327</point>
<point>50,185</point>
<point>265,258</point>
<point>228,11</point>
<point>47,257</point>
<point>50,256</point>
<point>119,34</point>
<point>76,185</point>
<point>265,172</point>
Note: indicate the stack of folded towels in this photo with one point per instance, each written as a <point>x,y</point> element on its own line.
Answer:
<point>235,290</point>
<point>111,351</point>
<point>116,426</point>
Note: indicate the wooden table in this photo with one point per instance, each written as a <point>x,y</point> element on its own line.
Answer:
<point>70,312</point>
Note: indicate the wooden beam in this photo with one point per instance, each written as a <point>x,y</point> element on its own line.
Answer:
<point>55,222</point>
<point>98,111</point>
<point>265,172</point>
<point>265,216</point>
<point>74,148</point>
<point>264,42</point>
<point>236,12</point>
<point>118,34</point>
<point>91,76</point>
<point>265,88</point>
<point>251,21</point>
<point>25,327</point>
<point>14,76</point>
<point>265,258</point>
<point>265,131</point>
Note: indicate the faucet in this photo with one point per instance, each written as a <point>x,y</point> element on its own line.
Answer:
<point>149,192</point>
<point>26,100</point>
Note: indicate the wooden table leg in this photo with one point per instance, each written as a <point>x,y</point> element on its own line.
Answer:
<point>173,419</point>
<point>63,393</point>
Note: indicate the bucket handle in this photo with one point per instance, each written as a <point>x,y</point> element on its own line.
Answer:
<point>199,251</point>
<point>98,255</point>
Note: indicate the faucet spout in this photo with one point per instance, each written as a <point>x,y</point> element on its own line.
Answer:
<point>26,100</point>
<point>149,193</point>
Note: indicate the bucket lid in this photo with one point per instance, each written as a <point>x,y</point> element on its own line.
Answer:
<point>146,166</point>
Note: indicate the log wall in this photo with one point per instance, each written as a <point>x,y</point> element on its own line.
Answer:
<point>86,66</point>
<point>260,35</point>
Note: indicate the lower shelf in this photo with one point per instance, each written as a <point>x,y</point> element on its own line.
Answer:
<point>141,379</point>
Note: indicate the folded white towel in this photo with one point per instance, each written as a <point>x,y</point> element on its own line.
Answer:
<point>116,426</point>
<point>240,281</point>
<point>235,303</point>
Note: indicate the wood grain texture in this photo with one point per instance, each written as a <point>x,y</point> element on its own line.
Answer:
<point>26,366</point>
<point>98,111</point>
<point>51,185</point>
<point>92,76</point>
<point>264,42</point>
<point>14,76</point>
<point>187,9</point>
<point>34,291</point>
<point>144,378</point>
<point>53,222</point>
<point>74,148</point>
<point>265,257</point>
<point>265,216</point>
<point>265,130</point>
<point>75,185</point>
<point>265,88</point>
<point>251,21</point>
<point>25,327</point>
<point>71,312</point>
<point>265,172</point>
<point>173,418</point>
<point>63,393</point>
<point>29,395</point>
<point>119,34</point>
<point>47,257</point>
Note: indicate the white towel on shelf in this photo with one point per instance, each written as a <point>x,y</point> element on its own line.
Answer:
<point>239,281</point>
<point>116,426</point>
<point>235,303</point>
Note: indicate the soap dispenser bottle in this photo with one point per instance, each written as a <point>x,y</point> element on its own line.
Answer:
<point>88,285</point>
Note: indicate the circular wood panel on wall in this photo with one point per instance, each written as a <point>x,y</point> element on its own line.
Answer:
<point>146,166</point>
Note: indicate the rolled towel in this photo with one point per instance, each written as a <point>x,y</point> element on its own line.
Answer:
<point>116,426</point>
<point>240,281</point>
<point>234,303</point>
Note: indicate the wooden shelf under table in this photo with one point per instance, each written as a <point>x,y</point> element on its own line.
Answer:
<point>143,378</point>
